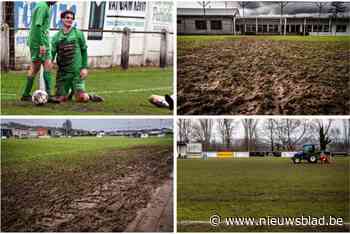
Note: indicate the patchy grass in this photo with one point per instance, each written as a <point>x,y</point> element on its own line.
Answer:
<point>18,151</point>
<point>261,187</point>
<point>125,93</point>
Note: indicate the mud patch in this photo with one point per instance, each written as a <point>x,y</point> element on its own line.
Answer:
<point>158,215</point>
<point>254,77</point>
<point>102,195</point>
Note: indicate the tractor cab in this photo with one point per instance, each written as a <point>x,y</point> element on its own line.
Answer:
<point>309,148</point>
<point>309,154</point>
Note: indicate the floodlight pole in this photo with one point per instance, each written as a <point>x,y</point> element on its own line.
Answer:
<point>320,5</point>
<point>282,5</point>
<point>204,4</point>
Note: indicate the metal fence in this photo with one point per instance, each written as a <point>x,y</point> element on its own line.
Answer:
<point>126,48</point>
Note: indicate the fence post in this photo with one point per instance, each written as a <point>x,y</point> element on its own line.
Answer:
<point>163,48</point>
<point>5,47</point>
<point>124,62</point>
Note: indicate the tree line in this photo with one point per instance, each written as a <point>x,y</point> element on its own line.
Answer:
<point>266,134</point>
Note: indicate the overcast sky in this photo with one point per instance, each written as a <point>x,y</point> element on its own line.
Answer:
<point>99,124</point>
<point>265,8</point>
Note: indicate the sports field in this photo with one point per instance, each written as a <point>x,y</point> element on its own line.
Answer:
<point>259,75</point>
<point>80,184</point>
<point>261,187</point>
<point>125,93</point>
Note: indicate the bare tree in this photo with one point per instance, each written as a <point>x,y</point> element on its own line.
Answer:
<point>290,132</point>
<point>346,134</point>
<point>184,128</point>
<point>250,133</point>
<point>269,131</point>
<point>324,127</point>
<point>320,6</point>
<point>335,135</point>
<point>282,6</point>
<point>203,130</point>
<point>225,129</point>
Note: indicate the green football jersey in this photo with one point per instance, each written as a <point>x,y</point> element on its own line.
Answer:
<point>71,50</point>
<point>40,26</point>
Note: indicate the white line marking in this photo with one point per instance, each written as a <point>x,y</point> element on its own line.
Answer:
<point>8,94</point>
<point>133,90</point>
<point>112,91</point>
<point>188,222</point>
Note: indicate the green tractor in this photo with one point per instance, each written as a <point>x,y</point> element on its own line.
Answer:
<point>309,154</point>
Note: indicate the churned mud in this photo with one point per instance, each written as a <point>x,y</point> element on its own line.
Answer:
<point>103,195</point>
<point>263,77</point>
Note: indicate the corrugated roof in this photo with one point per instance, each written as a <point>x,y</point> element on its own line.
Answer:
<point>232,11</point>
<point>208,11</point>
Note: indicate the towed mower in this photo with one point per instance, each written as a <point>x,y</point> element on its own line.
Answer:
<point>310,154</point>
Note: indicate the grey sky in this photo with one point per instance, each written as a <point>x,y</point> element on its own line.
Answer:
<point>99,124</point>
<point>266,8</point>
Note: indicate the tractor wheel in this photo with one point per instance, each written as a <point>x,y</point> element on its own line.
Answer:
<point>312,159</point>
<point>296,160</point>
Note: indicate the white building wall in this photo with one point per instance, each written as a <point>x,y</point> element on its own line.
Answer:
<point>144,48</point>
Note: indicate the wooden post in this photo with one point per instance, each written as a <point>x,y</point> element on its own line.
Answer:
<point>5,47</point>
<point>163,48</point>
<point>124,61</point>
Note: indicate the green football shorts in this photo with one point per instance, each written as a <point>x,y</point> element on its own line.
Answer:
<point>67,82</point>
<point>36,56</point>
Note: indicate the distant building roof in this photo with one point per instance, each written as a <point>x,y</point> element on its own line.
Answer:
<point>208,11</point>
<point>235,11</point>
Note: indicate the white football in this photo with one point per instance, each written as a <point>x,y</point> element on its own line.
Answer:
<point>39,97</point>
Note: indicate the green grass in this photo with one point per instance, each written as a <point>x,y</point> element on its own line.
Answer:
<point>125,93</point>
<point>260,187</point>
<point>24,152</point>
<point>206,38</point>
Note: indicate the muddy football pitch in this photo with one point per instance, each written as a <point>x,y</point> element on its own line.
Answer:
<point>85,184</point>
<point>263,75</point>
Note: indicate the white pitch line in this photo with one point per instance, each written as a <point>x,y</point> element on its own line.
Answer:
<point>8,94</point>
<point>112,91</point>
<point>188,222</point>
<point>134,90</point>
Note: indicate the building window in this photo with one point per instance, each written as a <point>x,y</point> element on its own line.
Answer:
<point>308,28</point>
<point>251,27</point>
<point>201,24</point>
<point>265,28</point>
<point>317,28</point>
<point>216,24</point>
<point>326,28</point>
<point>273,28</point>
<point>292,28</point>
<point>341,28</point>
<point>178,21</point>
